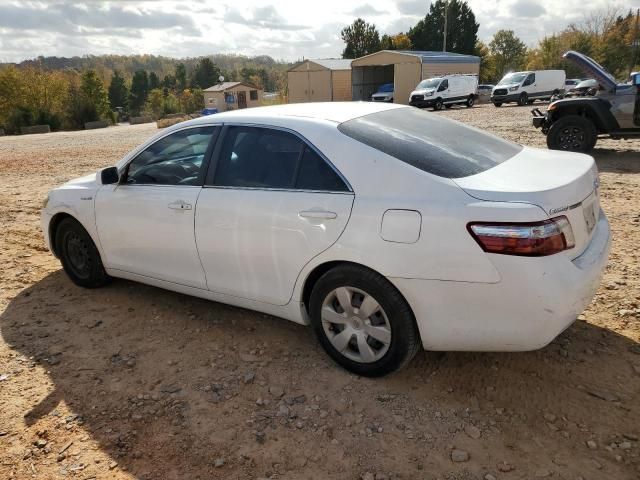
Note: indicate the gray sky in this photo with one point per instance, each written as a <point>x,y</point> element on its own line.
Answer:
<point>283,29</point>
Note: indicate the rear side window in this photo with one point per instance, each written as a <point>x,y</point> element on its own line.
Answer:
<point>430,142</point>
<point>257,157</point>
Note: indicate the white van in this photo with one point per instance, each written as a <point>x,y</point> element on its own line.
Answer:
<point>526,87</point>
<point>445,91</point>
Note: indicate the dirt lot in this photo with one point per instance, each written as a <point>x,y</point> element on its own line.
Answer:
<point>131,381</point>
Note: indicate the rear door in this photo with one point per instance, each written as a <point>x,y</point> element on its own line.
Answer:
<point>271,203</point>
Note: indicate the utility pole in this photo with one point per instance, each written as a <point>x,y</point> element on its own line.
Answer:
<point>444,41</point>
<point>635,43</point>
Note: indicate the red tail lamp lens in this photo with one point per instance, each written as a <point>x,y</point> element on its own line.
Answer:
<point>536,239</point>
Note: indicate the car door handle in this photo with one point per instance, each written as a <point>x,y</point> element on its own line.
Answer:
<point>180,205</point>
<point>318,214</point>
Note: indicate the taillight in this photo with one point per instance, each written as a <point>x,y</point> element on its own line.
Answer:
<point>535,239</point>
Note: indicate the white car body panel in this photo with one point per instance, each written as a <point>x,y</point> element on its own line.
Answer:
<point>251,248</point>
<point>241,233</point>
<point>160,241</point>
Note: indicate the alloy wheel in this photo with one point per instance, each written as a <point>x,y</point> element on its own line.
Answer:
<point>572,138</point>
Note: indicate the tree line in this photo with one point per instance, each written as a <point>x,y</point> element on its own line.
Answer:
<point>65,93</point>
<point>606,35</point>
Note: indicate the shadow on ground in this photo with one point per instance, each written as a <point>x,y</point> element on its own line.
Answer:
<point>617,161</point>
<point>167,384</point>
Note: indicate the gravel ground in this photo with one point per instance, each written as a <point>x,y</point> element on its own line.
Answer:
<point>132,382</point>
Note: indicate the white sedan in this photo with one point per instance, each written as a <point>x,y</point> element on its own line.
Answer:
<point>384,227</point>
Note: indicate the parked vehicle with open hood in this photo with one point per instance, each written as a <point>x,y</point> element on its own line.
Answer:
<point>526,87</point>
<point>575,124</point>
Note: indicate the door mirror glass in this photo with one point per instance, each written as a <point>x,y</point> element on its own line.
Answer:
<point>109,176</point>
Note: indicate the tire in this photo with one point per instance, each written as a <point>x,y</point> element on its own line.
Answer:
<point>572,133</point>
<point>79,256</point>
<point>438,104</point>
<point>448,106</point>
<point>346,338</point>
<point>497,104</point>
<point>523,99</point>
<point>470,101</point>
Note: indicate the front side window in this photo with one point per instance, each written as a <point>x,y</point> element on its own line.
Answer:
<point>432,143</point>
<point>256,157</point>
<point>176,159</point>
<point>444,85</point>
<point>530,80</point>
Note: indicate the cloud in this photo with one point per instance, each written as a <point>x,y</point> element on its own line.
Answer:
<point>416,8</point>
<point>65,18</point>
<point>527,8</point>
<point>263,17</point>
<point>367,10</point>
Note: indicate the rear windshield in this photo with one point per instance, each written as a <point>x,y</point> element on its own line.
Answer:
<point>430,142</point>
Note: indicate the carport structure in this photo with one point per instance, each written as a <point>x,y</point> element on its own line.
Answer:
<point>405,69</point>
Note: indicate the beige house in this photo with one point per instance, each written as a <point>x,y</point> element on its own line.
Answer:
<point>327,80</point>
<point>405,69</point>
<point>232,96</point>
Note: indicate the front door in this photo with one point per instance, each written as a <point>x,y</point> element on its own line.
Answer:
<point>242,99</point>
<point>145,223</point>
<point>272,204</point>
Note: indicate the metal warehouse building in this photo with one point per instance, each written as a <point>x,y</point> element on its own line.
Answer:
<point>326,80</point>
<point>405,69</point>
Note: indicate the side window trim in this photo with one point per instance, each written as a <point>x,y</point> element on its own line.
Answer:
<point>213,142</point>
<point>213,164</point>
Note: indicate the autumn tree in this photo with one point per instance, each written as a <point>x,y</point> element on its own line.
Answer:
<point>360,38</point>
<point>508,52</point>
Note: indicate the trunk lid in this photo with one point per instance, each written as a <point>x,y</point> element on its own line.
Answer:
<point>560,183</point>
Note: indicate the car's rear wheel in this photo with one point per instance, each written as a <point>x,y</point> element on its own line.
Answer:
<point>79,256</point>
<point>470,101</point>
<point>523,99</point>
<point>362,321</point>
<point>438,104</point>
<point>572,133</point>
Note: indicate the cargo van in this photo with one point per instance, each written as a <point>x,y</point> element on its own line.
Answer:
<point>445,91</point>
<point>526,87</point>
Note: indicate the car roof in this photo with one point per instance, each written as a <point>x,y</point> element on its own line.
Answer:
<point>330,111</point>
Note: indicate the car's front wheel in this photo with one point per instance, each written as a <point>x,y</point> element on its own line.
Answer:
<point>438,104</point>
<point>572,133</point>
<point>362,321</point>
<point>79,256</point>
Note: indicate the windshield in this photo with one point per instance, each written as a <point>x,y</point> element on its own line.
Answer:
<point>386,88</point>
<point>429,83</point>
<point>512,78</point>
<point>430,142</point>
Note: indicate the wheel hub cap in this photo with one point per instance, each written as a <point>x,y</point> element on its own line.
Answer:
<point>356,324</point>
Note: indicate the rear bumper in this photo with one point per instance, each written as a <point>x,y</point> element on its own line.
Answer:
<point>536,299</point>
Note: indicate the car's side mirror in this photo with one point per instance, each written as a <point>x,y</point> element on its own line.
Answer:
<point>109,176</point>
